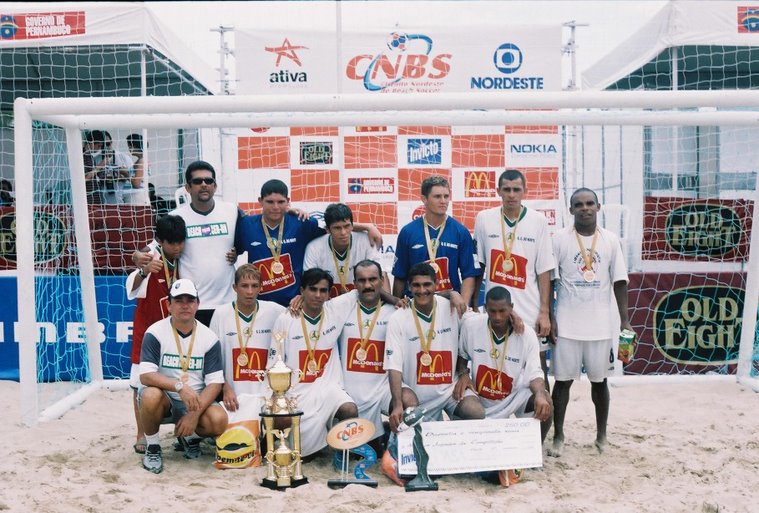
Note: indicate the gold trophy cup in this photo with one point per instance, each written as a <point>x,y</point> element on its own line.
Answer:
<point>281,418</point>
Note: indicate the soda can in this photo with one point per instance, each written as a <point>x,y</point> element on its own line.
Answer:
<point>626,348</point>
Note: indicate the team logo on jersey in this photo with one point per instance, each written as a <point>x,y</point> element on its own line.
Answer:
<point>489,386</point>
<point>321,357</point>
<point>271,281</point>
<point>373,363</point>
<point>255,369</point>
<point>439,372</point>
<point>516,277</point>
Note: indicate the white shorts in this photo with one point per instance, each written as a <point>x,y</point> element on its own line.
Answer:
<point>319,406</point>
<point>514,404</point>
<point>570,356</point>
<point>373,410</point>
<point>134,377</point>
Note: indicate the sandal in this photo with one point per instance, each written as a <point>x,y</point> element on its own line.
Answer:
<point>140,446</point>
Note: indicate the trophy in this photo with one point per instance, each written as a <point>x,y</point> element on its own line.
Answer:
<point>347,436</point>
<point>281,419</point>
<point>413,418</point>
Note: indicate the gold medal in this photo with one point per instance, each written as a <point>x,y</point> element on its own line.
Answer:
<point>361,354</point>
<point>494,353</point>
<point>312,367</point>
<point>277,268</point>
<point>184,378</point>
<point>425,359</point>
<point>589,276</point>
<point>507,266</point>
<point>242,359</point>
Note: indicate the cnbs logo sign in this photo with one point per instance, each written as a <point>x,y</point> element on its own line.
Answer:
<point>49,237</point>
<point>703,229</point>
<point>699,325</point>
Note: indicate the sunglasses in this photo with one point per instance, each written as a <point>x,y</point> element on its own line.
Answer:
<point>198,181</point>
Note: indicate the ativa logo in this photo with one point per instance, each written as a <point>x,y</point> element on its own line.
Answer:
<point>425,151</point>
<point>287,50</point>
<point>507,59</point>
<point>409,59</point>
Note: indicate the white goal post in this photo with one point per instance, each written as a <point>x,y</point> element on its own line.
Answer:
<point>577,108</point>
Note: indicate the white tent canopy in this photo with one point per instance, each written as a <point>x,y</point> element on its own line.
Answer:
<point>683,24</point>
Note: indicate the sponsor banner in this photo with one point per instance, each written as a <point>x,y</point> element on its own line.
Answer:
<point>313,152</point>
<point>474,184</point>
<point>118,230</point>
<point>473,446</point>
<point>424,151</point>
<point>370,185</point>
<point>533,150</point>
<point>748,19</point>
<point>388,60</point>
<point>686,322</point>
<point>696,229</point>
<point>61,345</point>
<point>39,25</point>
<point>370,130</point>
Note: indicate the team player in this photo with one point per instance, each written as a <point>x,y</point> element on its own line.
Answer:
<point>182,372</point>
<point>591,269</point>
<point>309,344</point>
<point>362,346</point>
<point>514,250</point>
<point>149,285</point>
<point>439,240</point>
<point>209,252</point>
<point>340,249</point>
<point>244,330</point>
<point>276,242</point>
<point>421,348</point>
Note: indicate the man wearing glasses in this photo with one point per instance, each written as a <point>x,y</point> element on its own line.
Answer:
<point>209,254</point>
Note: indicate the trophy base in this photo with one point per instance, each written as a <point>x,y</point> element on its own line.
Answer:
<point>342,483</point>
<point>419,485</point>
<point>294,483</point>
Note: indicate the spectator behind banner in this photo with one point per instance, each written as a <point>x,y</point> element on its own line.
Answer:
<point>6,200</point>
<point>160,206</point>
<point>134,143</point>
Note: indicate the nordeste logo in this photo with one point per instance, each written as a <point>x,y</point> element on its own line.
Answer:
<point>507,58</point>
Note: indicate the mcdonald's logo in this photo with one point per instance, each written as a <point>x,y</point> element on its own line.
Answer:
<point>439,372</point>
<point>338,290</point>
<point>486,383</point>
<point>443,276</point>
<point>270,281</point>
<point>479,184</point>
<point>254,370</point>
<point>375,356</point>
<point>516,277</point>
<point>321,357</point>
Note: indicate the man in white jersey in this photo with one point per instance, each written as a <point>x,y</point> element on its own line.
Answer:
<point>421,348</point>
<point>244,330</point>
<point>505,366</point>
<point>182,372</point>
<point>591,276</point>
<point>209,252</point>
<point>310,348</point>
<point>362,347</point>
<point>340,249</point>
<point>514,249</point>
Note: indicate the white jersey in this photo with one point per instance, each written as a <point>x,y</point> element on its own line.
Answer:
<point>159,354</point>
<point>531,255</point>
<point>209,237</point>
<point>295,352</point>
<point>583,309</point>
<point>365,380</point>
<point>319,254</point>
<point>403,350</point>
<point>521,363</point>
<point>249,378</point>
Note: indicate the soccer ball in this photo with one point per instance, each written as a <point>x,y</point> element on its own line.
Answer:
<point>397,41</point>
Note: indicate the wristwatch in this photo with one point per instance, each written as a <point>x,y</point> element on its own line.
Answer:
<point>178,386</point>
<point>141,272</point>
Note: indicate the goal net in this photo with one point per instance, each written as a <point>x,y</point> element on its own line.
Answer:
<point>672,171</point>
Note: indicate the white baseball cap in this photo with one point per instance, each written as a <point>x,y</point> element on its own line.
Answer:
<point>183,287</point>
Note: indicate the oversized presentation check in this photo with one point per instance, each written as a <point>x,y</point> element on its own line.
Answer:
<point>460,446</point>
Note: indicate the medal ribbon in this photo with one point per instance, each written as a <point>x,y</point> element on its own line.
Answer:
<point>184,360</point>
<point>587,257</point>
<point>169,280</point>
<point>425,342</point>
<point>244,345</point>
<point>433,244</point>
<point>509,243</point>
<point>308,339</point>
<point>274,246</point>
<point>341,271</point>
<point>494,352</point>
<point>365,341</point>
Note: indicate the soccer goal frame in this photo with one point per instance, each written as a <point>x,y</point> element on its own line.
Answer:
<point>577,108</point>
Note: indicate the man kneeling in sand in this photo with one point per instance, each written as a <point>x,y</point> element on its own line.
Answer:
<point>182,371</point>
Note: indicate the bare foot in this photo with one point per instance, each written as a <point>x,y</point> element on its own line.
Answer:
<point>556,448</point>
<point>600,444</point>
